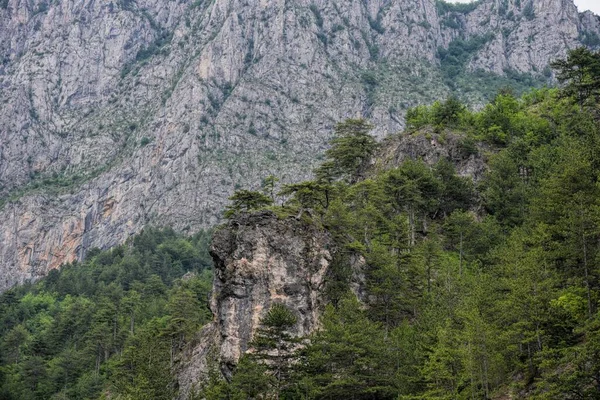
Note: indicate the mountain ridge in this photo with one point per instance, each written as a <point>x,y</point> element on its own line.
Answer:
<point>174,105</point>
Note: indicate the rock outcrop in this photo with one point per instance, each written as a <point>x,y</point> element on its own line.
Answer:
<point>259,260</point>
<point>123,113</point>
<point>431,147</point>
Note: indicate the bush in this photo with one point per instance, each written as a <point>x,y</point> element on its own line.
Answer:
<point>317,14</point>
<point>444,7</point>
<point>528,11</point>
<point>459,52</point>
<point>448,113</point>
<point>418,117</point>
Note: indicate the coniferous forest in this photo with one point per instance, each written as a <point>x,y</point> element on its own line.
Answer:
<point>482,288</point>
<point>109,327</point>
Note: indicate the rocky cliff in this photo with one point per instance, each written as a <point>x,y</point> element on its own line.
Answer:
<point>431,147</point>
<point>122,113</point>
<point>259,260</point>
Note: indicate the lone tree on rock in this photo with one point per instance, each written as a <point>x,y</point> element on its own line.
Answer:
<point>351,150</point>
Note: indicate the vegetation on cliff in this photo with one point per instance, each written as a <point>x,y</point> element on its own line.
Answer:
<point>472,290</point>
<point>468,288</point>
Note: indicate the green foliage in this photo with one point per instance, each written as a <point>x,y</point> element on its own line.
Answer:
<point>351,150</point>
<point>246,200</point>
<point>317,14</point>
<point>113,323</point>
<point>504,120</point>
<point>376,23</point>
<point>274,346</point>
<point>462,289</point>
<point>580,72</point>
<point>528,10</point>
<point>450,113</point>
<point>268,186</point>
<point>308,195</point>
<point>145,141</point>
<point>157,47</point>
<point>459,52</point>
<point>444,7</point>
<point>467,290</point>
<point>348,358</point>
<point>265,371</point>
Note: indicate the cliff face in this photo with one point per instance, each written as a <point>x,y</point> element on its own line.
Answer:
<point>117,114</point>
<point>431,147</point>
<point>259,260</point>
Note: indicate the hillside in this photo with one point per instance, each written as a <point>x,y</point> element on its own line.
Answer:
<point>458,259</point>
<point>111,324</point>
<point>115,115</point>
<point>437,286</point>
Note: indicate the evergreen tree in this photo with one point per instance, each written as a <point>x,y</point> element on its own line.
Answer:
<point>580,71</point>
<point>246,200</point>
<point>268,186</point>
<point>347,358</point>
<point>351,150</point>
<point>273,345</point>
<point>415,191</point>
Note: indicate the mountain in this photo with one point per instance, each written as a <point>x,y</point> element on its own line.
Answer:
<point>457,260</point>
<point>121,114</point>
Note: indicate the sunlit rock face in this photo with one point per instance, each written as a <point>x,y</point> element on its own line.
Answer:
<point>259,260</point>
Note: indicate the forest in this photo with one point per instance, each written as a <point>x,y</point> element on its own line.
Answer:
<point>474,289</point>
<point>109,327</point>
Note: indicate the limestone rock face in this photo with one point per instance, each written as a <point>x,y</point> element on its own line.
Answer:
<point>121,113</point>
<point>430,147</point>
<point>259,260</point>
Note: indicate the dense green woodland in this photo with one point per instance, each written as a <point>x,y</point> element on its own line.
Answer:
<point>473,290</point>
<point>110,327</point>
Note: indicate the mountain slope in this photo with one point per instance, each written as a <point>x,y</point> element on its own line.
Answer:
<point>476,286</point>
<point>122,114</point>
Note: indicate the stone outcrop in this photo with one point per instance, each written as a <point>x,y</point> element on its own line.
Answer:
<point>431,147</point>
<point>259,260</point>
<point>122,113</point>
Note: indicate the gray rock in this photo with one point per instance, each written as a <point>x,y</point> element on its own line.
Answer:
<point>259,260</point>
<point>431,147</point>
<point>119,114</point>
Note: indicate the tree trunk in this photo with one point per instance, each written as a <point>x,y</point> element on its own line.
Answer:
<point>411,224</point>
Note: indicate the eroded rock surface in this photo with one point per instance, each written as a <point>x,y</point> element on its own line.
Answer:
<point>259,260</point>
<point>430,147</point>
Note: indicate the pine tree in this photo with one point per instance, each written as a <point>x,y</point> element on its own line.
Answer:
<point>581,73</point>
<point>352,148</point>
<point>347,358</point>
<point>273,344</point>
<point>246,200</point>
